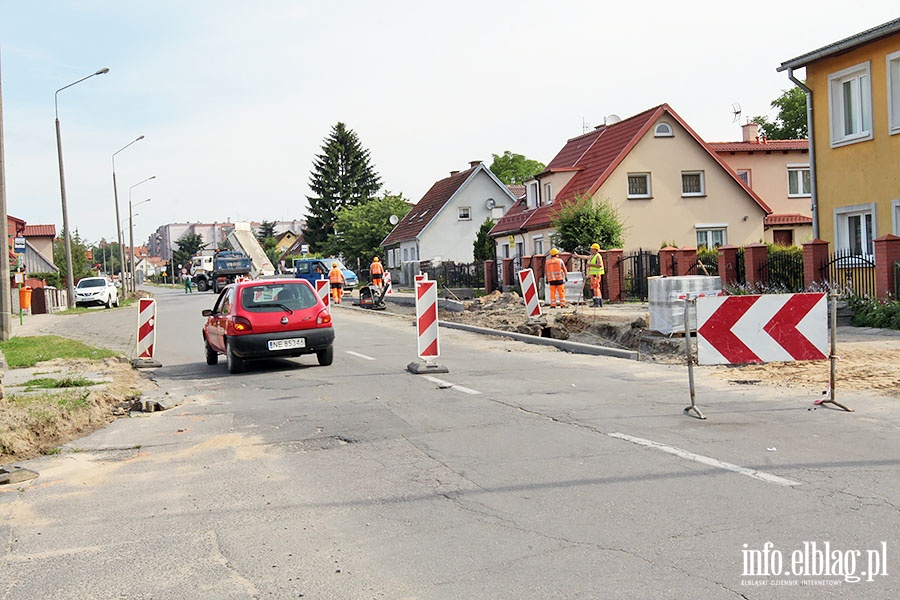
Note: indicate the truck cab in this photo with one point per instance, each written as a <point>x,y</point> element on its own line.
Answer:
<point>312,269</point>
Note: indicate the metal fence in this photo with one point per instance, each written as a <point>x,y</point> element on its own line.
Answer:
<point>455,275</point>
<point>634,269</point>
<point>850,273</point>
<point>783,272</point>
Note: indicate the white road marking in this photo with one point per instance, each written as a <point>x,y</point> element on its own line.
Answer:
<point>706,460</point>
<point>447,384</point>
<point>359,355</point>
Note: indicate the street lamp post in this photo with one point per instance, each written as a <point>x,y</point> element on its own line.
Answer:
<point>70,282</point>
<point>131,232</point>
<point>118,218</point>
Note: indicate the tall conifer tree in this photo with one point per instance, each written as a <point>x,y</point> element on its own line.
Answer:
<point>342,176</point>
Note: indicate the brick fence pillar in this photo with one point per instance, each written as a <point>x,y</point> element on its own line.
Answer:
<point>509,279</point>
<point>666,261</point>
<point>887,252</point>
<point>489,270</point>
<point>537,265</point>
<point>614,279</point>
<point>728,264</point>
<point>755,256</point>
<point>685,260</point>
<point>815,257</point>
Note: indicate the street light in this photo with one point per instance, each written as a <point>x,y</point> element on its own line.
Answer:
<point>70,283</point>
<point>131,232</point>
<point>118,219</point>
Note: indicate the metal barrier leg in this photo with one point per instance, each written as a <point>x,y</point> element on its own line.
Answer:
<point>688,302</point>
<point>833,357</point>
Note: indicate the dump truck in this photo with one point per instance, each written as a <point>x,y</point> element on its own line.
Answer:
<point>241,239</point>
<point>214,270</point>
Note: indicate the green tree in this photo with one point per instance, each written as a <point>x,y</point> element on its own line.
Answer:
<point>342,177</point>
<point>266,230</point>
<point>484,247</point>
<point>81,266</point>
<point>581,223</point>
<point>790,124</point>
<point>515,169</point>
<point>359,230</point>
<point>188,245</point>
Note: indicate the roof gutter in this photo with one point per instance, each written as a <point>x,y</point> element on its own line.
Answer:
<point>813,188</point>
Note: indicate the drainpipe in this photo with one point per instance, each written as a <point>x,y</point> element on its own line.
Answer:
<point>813,188</point>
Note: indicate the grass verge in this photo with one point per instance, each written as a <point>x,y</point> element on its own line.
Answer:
<point>22,352</point>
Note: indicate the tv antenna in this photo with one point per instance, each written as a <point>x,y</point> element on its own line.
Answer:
<point>736,111</point>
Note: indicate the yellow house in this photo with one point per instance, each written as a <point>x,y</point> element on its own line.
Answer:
<point>853,99</point>
<point>666,184</point>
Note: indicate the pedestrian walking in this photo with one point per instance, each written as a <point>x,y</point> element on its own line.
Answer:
<point>337,280</point>
<point>555,274</point>
<point>188,284</point>
<point>596,271</point>
<point>376,271</point>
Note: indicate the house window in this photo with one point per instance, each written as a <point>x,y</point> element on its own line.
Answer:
<point>895,207</point>
<point>692,183</point>
<point>744,175</point>
<point>893,73</point>
<point>855,229</point>
<point>798,181</point>
<point>531,195</point>
<point>548,198</point>
<point>711,236</point>
<point>465,213</point>
<point>405,254</point>
<point>504,250</point>
<point>850,105</point>
<point>538,245</point>
<point>639,185</point>
<point>663,130</point>
<point>520,248</point>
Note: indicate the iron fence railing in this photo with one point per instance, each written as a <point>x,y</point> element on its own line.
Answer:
<point>850,273</point>
<point>783,272</point>
<point>634,270</point>
<point>455,275</point>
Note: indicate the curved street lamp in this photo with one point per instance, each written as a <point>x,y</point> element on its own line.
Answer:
<point>131,233</point>
<point>118,219</point>
<point>70,282</point>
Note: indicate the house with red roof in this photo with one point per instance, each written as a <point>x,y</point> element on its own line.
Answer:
<point>664,181</point>
<point>778,171</point>
<point>444,224</point>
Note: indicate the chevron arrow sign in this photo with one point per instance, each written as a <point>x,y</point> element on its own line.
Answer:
<point>755,329</point>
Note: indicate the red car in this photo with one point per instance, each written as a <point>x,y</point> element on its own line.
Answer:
<point>265,318</point>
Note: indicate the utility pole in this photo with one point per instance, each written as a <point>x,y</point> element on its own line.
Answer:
<point>5,288</point>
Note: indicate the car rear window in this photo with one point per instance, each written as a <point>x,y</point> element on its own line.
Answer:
<point>86,283</point>
<point>274,297</point>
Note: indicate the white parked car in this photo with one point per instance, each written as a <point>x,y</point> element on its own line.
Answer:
<point>96,291</point>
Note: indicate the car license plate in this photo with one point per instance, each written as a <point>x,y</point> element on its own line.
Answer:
<point>287,344</point>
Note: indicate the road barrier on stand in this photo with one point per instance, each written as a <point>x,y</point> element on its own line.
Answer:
<point>146,334</point>
<point>387,283</point>
<point>323,289</point>
<point>427,329</point>
<point>530,293</point>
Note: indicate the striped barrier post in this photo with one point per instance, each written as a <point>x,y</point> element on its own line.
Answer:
<point>387,283</point>
<point>323,289</point>
<point>427,329</point>
<point>529,292</point>
<point>146,334</point>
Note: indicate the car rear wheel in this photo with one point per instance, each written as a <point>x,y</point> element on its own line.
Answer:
<point>235,362</point>
<point>109,302</point>
<point>326,356</point>
<point>212,357</point>
<point>116,303</point>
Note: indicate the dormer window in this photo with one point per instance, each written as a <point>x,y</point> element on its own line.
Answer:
<point>531,194</point>
<point>663,130</point>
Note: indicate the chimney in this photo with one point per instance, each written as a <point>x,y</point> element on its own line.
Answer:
<point>452,173</point>
<point>474,163</point>
<point>751,132</point>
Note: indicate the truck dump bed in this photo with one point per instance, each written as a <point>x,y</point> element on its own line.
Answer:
<point>243,240</point>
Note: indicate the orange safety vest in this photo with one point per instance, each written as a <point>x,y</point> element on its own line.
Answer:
<point>335,276</point>
<point>376,269</point>
<point>555,269</point>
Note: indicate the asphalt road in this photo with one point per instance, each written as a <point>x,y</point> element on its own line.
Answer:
<point>523,472</point>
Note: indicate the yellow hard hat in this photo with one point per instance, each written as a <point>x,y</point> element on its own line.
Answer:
<point>375,259</point>
<point>595,246</point>
<point>553,251</point>
<point>334,264</point>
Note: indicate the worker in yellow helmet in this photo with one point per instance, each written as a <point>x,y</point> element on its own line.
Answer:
<point>337,280</point>
<point>376,271</point>
<point>555,274</point>
<point>595,272</point>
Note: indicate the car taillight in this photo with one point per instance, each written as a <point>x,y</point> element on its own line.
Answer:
<point>242,324</point>
<point>324,317</point>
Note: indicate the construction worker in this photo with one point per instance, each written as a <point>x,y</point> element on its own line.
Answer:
<point>337,280</point>
<point>555,274</point>
<point>376,271</point>
<point>595,272</point>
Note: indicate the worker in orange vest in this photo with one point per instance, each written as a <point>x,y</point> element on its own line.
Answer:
<point>337,280</point>
<point>376,270</point>
<point>555,274</point>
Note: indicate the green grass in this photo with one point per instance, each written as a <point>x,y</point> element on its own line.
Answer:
<point>21,352</point>
<point>53,383</point>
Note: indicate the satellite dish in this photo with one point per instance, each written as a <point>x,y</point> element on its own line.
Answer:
<point>394,219</point>
<point>613,119</point>
<point>490,203</point>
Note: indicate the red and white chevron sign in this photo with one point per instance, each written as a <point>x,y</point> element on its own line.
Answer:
<point>529,292</point>
<point>323,289</point>
<point>146,335</point>
<point>754,329</point>
<point>427,319</point>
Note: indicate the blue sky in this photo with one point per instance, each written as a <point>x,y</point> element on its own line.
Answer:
<point>235,98</point>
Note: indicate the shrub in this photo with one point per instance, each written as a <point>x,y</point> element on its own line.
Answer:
<point>867,312</point>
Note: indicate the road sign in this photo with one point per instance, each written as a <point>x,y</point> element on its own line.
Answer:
<point>146,328</point>
<point>323,289</point>
<point>768,328</point>
<point>529,292</point>
<point>427,319</point>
